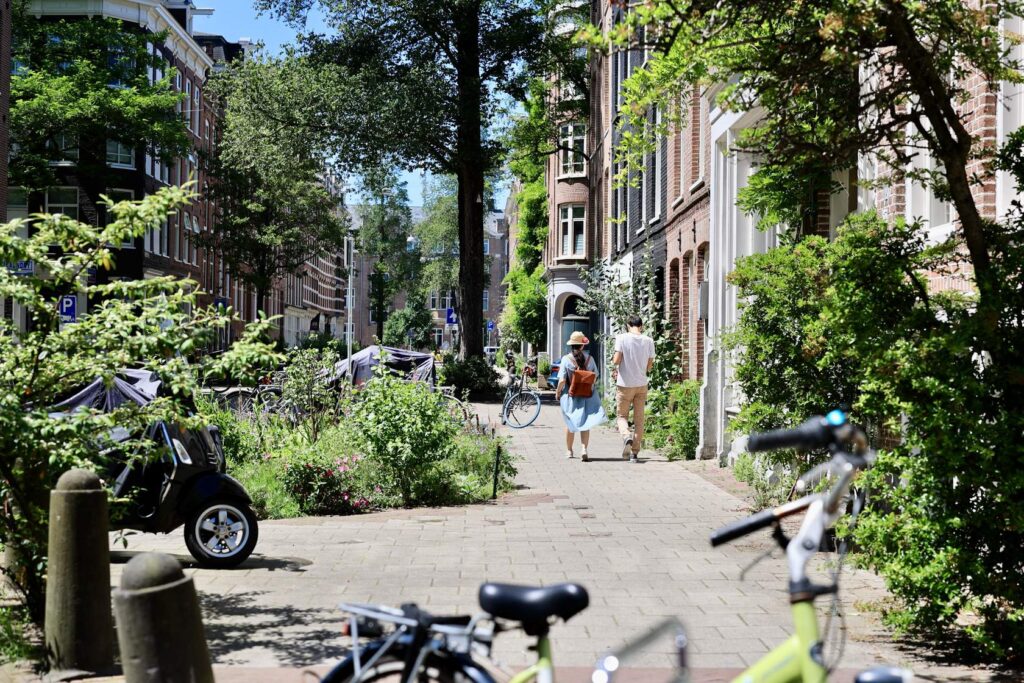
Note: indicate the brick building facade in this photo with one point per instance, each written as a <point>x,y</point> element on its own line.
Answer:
<point>683,210</point>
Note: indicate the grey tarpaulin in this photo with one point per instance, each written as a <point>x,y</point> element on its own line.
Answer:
<point>135,386</point>
<point>411,364</point>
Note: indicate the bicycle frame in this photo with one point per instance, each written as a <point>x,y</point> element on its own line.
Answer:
<point>799,658</point>
<point>543,670</point>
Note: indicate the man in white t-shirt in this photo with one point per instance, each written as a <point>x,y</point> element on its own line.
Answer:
<point>633,359</point>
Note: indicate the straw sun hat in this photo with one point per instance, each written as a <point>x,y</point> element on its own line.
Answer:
<point>577,337</point>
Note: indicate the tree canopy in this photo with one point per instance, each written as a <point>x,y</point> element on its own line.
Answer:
<point>277,207</point>
<point>78,85</point>
<point>428,83</point>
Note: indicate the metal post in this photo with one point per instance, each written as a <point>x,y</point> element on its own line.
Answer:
<point>351,253</point>
<point>159,626</point>
<point>79,629</point>
<point>497,463</point>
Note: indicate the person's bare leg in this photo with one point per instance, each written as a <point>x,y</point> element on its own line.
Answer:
<point>569,437</point>
<point>585,440</point>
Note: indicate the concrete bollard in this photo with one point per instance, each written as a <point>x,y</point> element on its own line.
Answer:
<point>159,626</point>
<point>78,625</point>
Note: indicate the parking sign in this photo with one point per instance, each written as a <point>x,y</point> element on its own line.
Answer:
<point>490,325</point>
<point>67,306</point>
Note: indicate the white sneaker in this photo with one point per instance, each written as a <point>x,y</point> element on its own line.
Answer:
<point>586,458</point>
<point>568,454</point>
<point>627,447</point>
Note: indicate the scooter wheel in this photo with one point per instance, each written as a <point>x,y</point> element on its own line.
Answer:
<point>221,533</point>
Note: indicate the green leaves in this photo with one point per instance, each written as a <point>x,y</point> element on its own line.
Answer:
<point>122,324</point>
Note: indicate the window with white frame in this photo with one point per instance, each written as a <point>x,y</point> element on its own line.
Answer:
<point>438,337</point>
<point>572,223</point>
<point>487,246</point>
<point>188,104</point>
<point>195,241</point>
<point>62,200</point>
<point>487,300</point>
<point>572,141</point>
<point>658,168</point>
<point>197,108</point>
<point>17,207</point>
<point>434,300</point>
<point>185,228</point>
<point>63,149</point>
<point>120,154</point>
<point>177,87</point>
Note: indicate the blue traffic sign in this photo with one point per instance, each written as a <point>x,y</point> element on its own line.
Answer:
<point>452,318</point>
<point>67,306</point>
<point>21,268</point>
<point>490,325</point>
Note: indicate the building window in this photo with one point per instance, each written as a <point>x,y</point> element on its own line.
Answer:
<point>183,238</point>
<point>572,141</point>
<point>197,108</point>
<point>434,298</point>
<point>487,300</point>
<point>17,207</point>
<point>63,149</point>
<point>487,246</point>
<point>63,200</point>
<point>571,220</point>
<point>120,154</point>
<point>188,103</point>
<point>438,337</point>
<point>658,168</point>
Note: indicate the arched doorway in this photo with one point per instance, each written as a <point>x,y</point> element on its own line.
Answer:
<point>574,321</point>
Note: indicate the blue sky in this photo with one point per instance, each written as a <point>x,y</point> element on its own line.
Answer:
<point>236,19</point>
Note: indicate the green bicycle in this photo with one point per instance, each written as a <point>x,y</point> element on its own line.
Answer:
<point>409,645</point>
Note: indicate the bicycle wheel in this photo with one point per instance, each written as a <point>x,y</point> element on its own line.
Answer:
<point>521,410</point>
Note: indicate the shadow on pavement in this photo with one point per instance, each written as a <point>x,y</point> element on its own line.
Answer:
<point>254,561</point>
<point>237,623</point>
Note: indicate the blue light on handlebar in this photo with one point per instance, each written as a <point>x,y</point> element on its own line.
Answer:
<point>836,418</point>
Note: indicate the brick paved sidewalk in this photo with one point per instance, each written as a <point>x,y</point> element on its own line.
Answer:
<point>634,535</point>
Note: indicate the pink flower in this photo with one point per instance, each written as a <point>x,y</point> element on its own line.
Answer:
<point>377,489</point>
<point>344,468</point>
<point>345,496</point>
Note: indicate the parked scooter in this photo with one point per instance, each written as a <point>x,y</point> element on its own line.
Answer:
<point>185,486</point>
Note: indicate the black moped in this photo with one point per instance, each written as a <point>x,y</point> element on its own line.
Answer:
<point>186,484</point>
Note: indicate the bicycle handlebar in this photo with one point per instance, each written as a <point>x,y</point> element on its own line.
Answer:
<point>817,432</point>
<point>832,431</point>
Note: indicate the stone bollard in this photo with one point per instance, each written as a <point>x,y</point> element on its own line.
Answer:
<point>159,627</point>
<point>78,625</point>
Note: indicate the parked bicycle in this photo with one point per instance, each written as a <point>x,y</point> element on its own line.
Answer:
<point>410,645</point>
<point>521,405</point>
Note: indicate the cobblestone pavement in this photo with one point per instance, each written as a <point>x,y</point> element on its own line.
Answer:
<point>634,535</point>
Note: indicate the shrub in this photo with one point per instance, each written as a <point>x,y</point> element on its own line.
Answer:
<point>325,488</point>
<point>407,430</point>
<point>474,376</point>
<point>307,392</point>
<point>155,324</point>
<point>544,366</point>
<point>682,423</point>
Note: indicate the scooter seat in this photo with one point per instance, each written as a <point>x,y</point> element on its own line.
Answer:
<point>533,604</point>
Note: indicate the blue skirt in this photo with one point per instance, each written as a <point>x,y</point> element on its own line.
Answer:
<point>582,414</point>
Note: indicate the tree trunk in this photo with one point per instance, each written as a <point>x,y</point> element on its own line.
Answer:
<point>471,165</point>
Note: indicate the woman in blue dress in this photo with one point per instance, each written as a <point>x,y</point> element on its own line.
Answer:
<point>580,414</point>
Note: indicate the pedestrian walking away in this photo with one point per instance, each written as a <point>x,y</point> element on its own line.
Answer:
<point>580,403</point>
<point>633,359</point>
